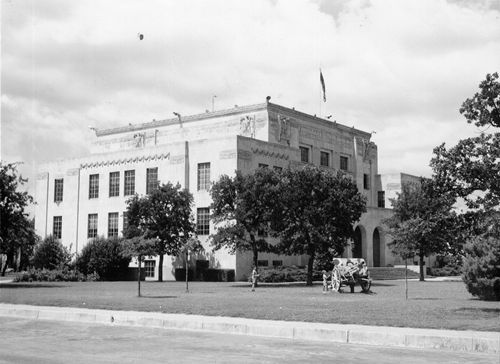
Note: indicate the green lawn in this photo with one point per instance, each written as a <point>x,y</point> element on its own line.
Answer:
<point>431,304</point>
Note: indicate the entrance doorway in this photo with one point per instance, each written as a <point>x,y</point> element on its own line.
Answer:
<point>376,248</point>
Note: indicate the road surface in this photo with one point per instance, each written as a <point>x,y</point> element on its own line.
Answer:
<point>31,341</point>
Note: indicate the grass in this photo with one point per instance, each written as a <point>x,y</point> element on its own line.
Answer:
<point>439,305</point>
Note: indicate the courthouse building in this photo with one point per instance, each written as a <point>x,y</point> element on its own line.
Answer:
<point>80,199</point>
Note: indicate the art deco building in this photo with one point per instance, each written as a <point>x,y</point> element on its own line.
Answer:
<point>79,199</point>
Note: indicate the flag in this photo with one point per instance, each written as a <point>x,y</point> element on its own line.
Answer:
<point>322,80</point>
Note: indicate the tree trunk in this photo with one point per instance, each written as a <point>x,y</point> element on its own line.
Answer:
<point>310,269</point>
<point>4,266</point>
<point>255,254</point>
<point>421,263</point>
<point>406,279</point>
<point>187,272</point>
<point>160,269</point>
<point>254,251</point>
<point>139,258</point>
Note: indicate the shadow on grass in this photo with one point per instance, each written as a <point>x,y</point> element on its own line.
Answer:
<point>479,310</point>
<point>30,285</point>
<point>143,296</point>
<point>379,284</point>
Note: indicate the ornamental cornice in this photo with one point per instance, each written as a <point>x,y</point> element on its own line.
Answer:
<point>118,161</point>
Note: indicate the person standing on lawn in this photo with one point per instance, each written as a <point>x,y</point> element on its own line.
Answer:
<point>325,282</point>
<point>254,278</point>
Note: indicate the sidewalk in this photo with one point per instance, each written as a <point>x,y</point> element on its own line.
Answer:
<point>467,341</point>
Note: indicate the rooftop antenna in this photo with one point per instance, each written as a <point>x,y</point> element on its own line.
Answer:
<point>179,116</point>
<point>213,102</point>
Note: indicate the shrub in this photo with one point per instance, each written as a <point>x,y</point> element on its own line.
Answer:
<point>105,258</point>
<point>286,274</point>
<point>51,254</point>
<point>481,268</point>
<point>44,275</point>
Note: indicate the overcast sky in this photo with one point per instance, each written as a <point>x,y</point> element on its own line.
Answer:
<point>400,68</point>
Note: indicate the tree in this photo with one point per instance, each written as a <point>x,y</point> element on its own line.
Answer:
<point>241,209</point>
<point>315,212</point>
<point>422,221</point>
<point>104,257</point>
<point>165,216</point>
<point>471,169</point>
<point>51,254</point>
<point>139,247</point>
<point>16,230</point>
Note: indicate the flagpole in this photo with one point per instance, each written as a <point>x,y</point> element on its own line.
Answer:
<point>320,93</point>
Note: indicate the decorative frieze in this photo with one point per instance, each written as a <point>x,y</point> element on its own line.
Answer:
<point>137,159</point>
<point>244,154</point>
<point>270,153</point>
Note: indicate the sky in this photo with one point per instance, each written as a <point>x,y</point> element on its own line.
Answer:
<point>399,68</point>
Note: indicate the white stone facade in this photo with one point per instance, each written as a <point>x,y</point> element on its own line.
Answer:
<point>242,138</point>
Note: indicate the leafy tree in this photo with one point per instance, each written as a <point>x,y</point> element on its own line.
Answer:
<point>51,254</point>
<point>422,221</point>
<point>315,212</point>
<point>16,230</point>
<point>104,257</point>
<point>139,247</point>
<point>471,169</point>
<point>242,207</point>
<point>165,216</point>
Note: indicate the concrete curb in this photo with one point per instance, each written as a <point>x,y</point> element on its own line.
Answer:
<point>465,341</point>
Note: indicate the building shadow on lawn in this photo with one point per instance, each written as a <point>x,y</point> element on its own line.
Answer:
<point>30,285</point>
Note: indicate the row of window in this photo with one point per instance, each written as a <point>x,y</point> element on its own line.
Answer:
<point>324,158</point>
<point>265,263</point>
<point>129,182</point>
<point>202,224</point>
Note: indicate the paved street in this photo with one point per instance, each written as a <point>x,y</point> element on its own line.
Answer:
<point>27,341</point>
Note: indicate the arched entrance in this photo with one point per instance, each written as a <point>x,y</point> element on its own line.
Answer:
<point>357,249</point>
<point>376,248</point>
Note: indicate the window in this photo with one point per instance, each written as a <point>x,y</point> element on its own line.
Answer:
<point>112,224</point>
<point>57,227</point>
<point>151,179</point>
<point>366,181</point>
<point>304,154</point>
<point>94,186</point>
<point>344,163</point>
<point>262,165</point>
<point>125,220</point>
<point>114,184</point>
<point>149,268</point>
<point>203,221</point>
<point>92,226</point>
<point>58,189</point>
<point>277,263</point>
<point>129,183</point>
<point>324,159</point>
<point>277,169</point>
<point>203,176</point>
<point>262,263</point>
<point>381,199</point>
